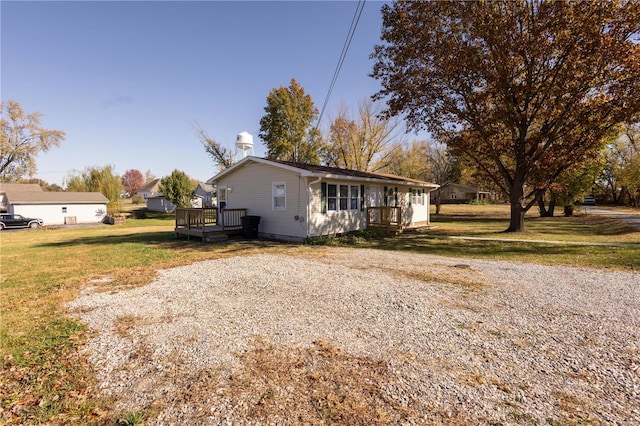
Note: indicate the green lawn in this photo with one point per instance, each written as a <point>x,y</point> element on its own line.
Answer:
<point>46,380</point>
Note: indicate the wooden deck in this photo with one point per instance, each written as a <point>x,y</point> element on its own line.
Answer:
<point>208,223</point>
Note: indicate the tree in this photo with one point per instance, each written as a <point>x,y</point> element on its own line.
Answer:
<point>148,176</point>
<point>97,179</point>
<point>22,139</point>
<point>132,180</point>
<point>525,89</point>
<point>366,144</point>
<point>287,127</point>
<point>221,155</point>
<point>46,186</point>
<point>177,188</point>
<point>622,174</point>
<point>443,168</point>
<point>409,160</point>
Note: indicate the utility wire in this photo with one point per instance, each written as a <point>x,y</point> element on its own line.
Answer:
<point>343,55</point>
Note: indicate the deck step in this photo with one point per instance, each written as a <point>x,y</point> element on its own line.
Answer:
<point>216,238</point>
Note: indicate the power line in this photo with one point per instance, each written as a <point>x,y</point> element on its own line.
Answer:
<point>343,55</point>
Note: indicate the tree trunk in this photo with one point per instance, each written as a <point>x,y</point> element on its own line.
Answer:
<point>552,206</point>
<point>516,222</point>
<point>438,201</point>
<point>542,208</point>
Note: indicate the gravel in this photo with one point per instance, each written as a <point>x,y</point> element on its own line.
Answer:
<point>497,342</point>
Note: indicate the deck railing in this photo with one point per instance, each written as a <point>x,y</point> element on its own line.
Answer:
<point>231,218</point>
<point>384,217</point>
<point>196,218</point>
<point>200,218</point>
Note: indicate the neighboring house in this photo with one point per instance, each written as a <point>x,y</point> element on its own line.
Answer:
<point>56,208</point>
<point>205,195</point>
<point>296,201</point>
<point>15,187</point>
<point>154,199</point>
<point>455,193</point>
<point>159,203</point>
<point>149,189</point>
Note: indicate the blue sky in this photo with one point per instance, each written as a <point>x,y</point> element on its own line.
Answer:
<point>128,81</point>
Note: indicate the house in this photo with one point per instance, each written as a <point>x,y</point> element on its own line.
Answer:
<point>13,187</point>
<point>204,195</point>
<point>154,199</point>
<point>56,208</point>
<point>159,203</point>
<point>295,201</point>
<point>149,189</point>
<point>455,193</point>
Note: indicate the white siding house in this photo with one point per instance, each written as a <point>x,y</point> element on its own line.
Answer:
<point>296,201</point>
<point>158,203</point>
<point>55,208</point>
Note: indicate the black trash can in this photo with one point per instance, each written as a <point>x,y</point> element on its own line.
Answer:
<point>250,226</point>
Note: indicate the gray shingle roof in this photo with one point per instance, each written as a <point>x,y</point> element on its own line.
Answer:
<point>21,197</point>
<point>24,187</point>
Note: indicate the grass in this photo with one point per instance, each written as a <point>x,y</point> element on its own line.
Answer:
<point>46,379</point>
<point>489,221</point>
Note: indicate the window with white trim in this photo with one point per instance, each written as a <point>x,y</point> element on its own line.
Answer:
<point>416,197</point>
<point>343,197</point>
<point>279,195</point>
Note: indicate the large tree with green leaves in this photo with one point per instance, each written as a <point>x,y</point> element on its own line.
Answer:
<point>21,140</point>
<point>525,89</point>
<point>287,127</point>
<point>177,188</point>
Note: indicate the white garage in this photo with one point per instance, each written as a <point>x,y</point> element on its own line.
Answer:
<point>56,208</point>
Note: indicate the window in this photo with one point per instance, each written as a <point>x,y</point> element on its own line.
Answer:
<point>342,197</point>
<point>279,193</point>
<point>416,196</point>
<point>353,205</point>
<point>64,210</point>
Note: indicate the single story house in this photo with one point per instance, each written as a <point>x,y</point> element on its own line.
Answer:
<point>154,199</point>
<point>455,193</point>
<point>15,187</point>
<point>56,208</point>
<point>159,203</point>
<point>296,201</point>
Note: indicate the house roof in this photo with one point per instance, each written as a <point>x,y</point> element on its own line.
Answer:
<point>24,187</point>
<point>325,172</point>
<point>207,187</point>
<point>21,197</point>
<point>153,186</point>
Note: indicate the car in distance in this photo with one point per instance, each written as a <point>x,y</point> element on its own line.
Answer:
<point>18,221</point>
<point>589,200</point>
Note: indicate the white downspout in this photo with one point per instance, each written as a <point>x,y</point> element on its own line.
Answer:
<point>309,205</point>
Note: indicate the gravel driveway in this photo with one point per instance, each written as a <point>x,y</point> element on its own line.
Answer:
<point>432,340</point>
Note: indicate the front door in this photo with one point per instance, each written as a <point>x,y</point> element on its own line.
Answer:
<point>222,198</point>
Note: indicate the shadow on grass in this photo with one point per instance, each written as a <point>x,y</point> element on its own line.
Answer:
<point>159,239</point>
